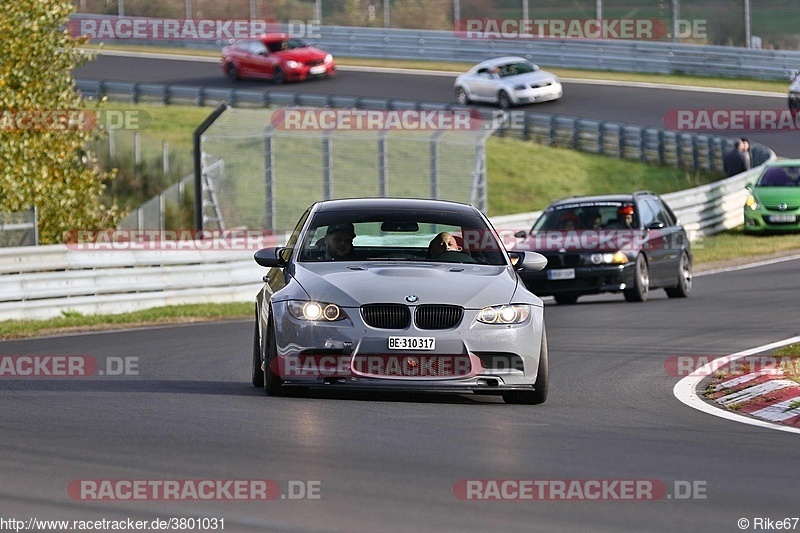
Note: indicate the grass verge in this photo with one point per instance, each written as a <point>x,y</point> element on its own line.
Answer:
<point>734,247</point>
<point>76,322</point>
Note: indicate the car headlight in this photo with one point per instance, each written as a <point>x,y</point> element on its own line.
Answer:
<point>316,311</point>
<point>751,202</point>
<point>292,64</point>
<point>328,58</point>
<point>504,314</point>
<point>617,258</point>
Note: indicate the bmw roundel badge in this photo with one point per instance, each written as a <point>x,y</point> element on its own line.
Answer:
<point>411,298</point>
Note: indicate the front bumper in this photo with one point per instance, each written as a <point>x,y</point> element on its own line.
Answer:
<point>304,72</point>
<point>350,354</point>
<point>588,280</point>
<point>760,221</point>
<point>541,94</point>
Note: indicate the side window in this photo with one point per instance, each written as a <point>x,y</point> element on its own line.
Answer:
<point>257,47</point>
<point>646,215</point>
<point>292,242</point>
<point>658,212</point>
<point>669,216</point>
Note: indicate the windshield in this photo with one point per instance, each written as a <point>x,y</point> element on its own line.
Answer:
<point>780,177</point>
<point>514,69</point>
<point>583,216</point>
<point>286,44</point>
<point>399,235</point>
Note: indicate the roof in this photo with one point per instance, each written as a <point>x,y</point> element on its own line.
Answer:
<point>394,203</point>
<point>603,198</point>
<point>500,60</point>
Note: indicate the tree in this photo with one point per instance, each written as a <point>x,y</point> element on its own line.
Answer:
<point>43,156</point>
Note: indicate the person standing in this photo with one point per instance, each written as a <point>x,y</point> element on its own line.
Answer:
<point>733,162</point>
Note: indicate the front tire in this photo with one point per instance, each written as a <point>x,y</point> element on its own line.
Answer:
<point>462,98</point>
<point>539,393</point>
<point>684,279</point>
<point>273,384</point>
<point>641,282</point>
<point>258,371</point>
<point>503,100</point>
<point>233,73</point>
<point>278,76</point>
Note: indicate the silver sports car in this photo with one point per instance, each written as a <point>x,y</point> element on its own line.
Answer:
<point>404,294</point>
<point>507,81</point>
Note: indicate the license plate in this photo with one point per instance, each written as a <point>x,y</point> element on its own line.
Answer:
<point>319,69</point>
<point>412,343</point>
<point>562,273</point>
<point>782,219</point>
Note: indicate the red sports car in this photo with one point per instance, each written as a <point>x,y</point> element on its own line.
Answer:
<point>276,57</point>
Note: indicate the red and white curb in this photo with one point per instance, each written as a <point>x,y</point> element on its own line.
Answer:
<point>766,396</point>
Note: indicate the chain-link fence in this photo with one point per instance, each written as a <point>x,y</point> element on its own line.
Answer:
<point>19,229</point>
<point>173,209</point>
<point>272,173</point>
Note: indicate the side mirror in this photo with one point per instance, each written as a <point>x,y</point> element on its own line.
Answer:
<point>794,74</point>
<point>270,257</point>
<point>531,261</point>
<point>656,225</point>
<point>749,186</point>
<point>521,234</point>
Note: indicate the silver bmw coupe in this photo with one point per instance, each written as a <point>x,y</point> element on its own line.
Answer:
<point>399,294</point>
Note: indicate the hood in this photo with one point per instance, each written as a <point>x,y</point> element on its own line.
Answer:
<point>531,77</point>
<point>352,285</point>
<point>777,195</point>
<point>307,53</point>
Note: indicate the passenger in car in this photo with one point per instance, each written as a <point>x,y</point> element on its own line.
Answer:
<point>569,222</point>
<point>624,218</point>
<point>339,242</point>
<point>443,242</point>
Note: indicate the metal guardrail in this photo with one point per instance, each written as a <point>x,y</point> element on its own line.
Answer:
<point>608,54</point>
<point>43,281</point>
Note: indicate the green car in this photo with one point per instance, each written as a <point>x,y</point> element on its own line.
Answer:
<point>773,204</point>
